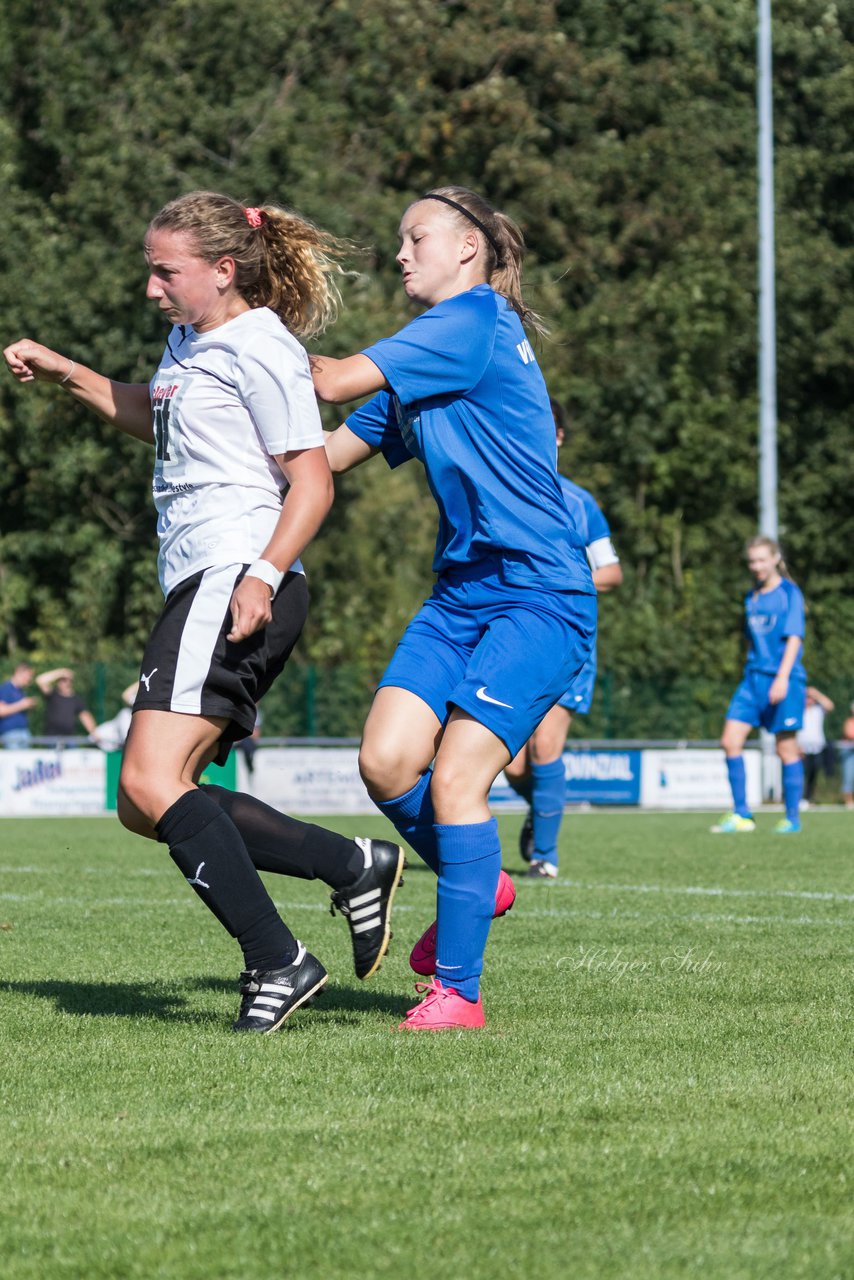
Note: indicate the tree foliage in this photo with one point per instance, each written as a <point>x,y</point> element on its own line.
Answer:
<point>619,133</point>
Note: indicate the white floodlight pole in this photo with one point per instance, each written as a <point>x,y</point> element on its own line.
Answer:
<point>767,321</point>
<point>768,524</point>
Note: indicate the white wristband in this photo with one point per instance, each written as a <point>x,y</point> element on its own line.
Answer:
<point>267,573</point>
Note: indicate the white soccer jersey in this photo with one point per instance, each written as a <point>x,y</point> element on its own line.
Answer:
<point>223,402</point>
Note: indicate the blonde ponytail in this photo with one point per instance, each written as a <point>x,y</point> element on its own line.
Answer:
<point>282,260</point>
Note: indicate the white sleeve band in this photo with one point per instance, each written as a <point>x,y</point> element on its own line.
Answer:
<point>267,573</point>
<point>601,553</point>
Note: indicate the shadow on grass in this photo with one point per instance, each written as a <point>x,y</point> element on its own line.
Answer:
<point>114,1000</point>
<point>147,1000</point>
<point>334,999</point>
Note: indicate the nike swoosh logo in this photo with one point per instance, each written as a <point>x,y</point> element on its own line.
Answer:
<point>484,697</point>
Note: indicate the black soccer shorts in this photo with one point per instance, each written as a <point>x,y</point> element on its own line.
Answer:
<point>190,667</point>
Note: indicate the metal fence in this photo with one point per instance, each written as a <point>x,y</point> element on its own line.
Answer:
<point>314,702</point>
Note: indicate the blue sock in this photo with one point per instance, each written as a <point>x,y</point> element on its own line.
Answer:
<point>738,785</point>
<point>412,815</point>
<point>547,802</point>
<point>523,786</point>
<point>470,857</point>
<point>793,789</point>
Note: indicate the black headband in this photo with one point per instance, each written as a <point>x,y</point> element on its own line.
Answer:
<point>466,214</point>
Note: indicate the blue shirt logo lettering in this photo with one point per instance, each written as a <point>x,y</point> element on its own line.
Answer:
<point>407,421</point>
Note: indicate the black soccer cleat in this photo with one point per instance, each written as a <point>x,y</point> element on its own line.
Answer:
<point>367,903</point>
<point>271,996</point>
<point>526,837</point>
<point>541,870</point>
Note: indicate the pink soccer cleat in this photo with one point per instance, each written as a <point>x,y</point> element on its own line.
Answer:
<point>442,1009</point>
<point>422,958</point>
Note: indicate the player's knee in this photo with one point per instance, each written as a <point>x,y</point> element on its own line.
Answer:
<point>138,803</point>
<point>546,747</point>
<point>130,816</point>
<point>383,771</point>
<point>451,786</point>
<point>131,794</point>
<point>788,749</point>
<point>124,811</point>
<point>442,788</point>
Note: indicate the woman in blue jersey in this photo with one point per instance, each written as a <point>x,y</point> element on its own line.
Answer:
<point>537,773</point>
<point>512,617</point>
<point>772,692</point>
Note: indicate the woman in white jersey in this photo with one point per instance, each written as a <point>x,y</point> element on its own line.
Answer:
<point>232,415</point>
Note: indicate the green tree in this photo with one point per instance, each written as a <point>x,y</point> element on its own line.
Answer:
<point>621,135</point>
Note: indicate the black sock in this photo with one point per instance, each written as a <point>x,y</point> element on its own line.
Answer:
<point>287,846</point>
<point>208,849</point>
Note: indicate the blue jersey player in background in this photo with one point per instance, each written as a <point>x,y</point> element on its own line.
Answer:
<point>772,692</point>
<point>537,772</point>
<point>512,617</point>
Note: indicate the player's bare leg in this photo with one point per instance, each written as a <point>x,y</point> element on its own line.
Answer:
<point>164,756</point>
<point>399,742</point>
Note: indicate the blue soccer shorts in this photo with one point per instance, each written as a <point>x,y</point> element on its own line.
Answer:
<point>502,653</point>
<point>750,703</point>
<point>579,696</point>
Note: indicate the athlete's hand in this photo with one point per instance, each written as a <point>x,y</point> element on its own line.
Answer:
<point>251,608</point>
<point>29,361</point>
<point>779,689</point>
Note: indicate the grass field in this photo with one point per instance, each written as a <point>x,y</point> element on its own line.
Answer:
<point>663,1088</point>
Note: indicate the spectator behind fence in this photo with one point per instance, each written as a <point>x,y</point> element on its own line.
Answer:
<point>248,746</point>
<point>848,760</point>
<point>14,705</point>
<point>816,750</point>
<point>64,708</point>
<point>111,735</point>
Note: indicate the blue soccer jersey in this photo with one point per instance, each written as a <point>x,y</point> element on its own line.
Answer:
<point>587,515</point>
<point>593,529</point>
<point>469,401</point>
<point>770,618</point>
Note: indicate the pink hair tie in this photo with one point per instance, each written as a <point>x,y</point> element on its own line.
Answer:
<point>254,217</point>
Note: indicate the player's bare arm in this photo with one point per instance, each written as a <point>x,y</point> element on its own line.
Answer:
<point>346,450</point>
<point>307,504</point>
<point>339,381</point>
<point>608,577</point>
<point>780,685</point>
<point>125,405</point>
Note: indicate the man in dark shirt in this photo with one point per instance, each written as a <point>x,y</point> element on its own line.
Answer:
<point>63,707</point>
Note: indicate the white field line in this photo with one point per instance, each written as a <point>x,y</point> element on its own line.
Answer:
<point>522,911</point>
<point>815,895</point>
<point>809,895</point>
